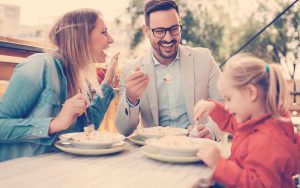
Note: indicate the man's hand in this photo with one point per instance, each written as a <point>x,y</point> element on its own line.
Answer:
<point>136,83</point>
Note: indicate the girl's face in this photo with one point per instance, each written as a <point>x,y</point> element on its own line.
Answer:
<point>100,40</point>
<point>237,101</point>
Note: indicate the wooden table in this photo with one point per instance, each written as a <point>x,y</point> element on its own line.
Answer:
<point>127,169</point>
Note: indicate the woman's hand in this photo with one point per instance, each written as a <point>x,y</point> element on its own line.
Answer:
<point>111,70</point>
<point>210,154</point>
<point>72,108</point>
<point>203,109</point>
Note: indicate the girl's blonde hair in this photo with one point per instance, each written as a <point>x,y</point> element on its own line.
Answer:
<point>246,69</point>
<point>71,35</point>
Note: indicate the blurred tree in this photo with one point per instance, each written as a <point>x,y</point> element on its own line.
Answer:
<point>201,30</point>
<point>136,10</point>
<point>280,43</point>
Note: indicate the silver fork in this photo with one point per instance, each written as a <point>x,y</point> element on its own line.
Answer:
<point>195,122</point>
<point>89,121</point>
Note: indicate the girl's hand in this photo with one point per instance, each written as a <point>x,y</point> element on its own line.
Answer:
<point>199,131</point>
<point>111,70</point>
<point>210,154</point>
<point>72,108</point>
<point>203,109</point>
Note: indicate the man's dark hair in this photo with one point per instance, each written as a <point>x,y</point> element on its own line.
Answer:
<point>157,5</point>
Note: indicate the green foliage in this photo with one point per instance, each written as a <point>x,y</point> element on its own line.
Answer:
<point>280,42</point>
<point>137,38</point>
<point>136,12</point>
<point>199,30</point>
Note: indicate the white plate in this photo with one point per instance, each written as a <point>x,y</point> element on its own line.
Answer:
<point>154,153</point>
<point>140,140</point>
<point>89,144</point>
<point>159,131</point>
<point>178,145</point>
<point>80,151</point>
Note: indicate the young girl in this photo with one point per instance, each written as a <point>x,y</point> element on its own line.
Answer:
<point>265,150</point>
<point>48,94</point>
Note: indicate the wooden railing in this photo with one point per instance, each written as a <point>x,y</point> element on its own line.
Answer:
<point>19,48</point>
<point>12,51</point>
<point>7,65</point>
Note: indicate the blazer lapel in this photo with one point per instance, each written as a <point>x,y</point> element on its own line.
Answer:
<point>148,68</point>
<point>188,82</point>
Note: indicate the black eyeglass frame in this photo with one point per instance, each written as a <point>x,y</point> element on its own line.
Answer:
<point>165,30</point>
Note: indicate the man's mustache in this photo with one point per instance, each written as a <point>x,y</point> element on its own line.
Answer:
<point>166,42</point>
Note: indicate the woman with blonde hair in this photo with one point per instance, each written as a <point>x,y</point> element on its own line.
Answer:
<point>49,93</point>
<point>265,150</point>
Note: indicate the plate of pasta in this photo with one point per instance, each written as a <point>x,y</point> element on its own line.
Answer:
<point>160,131</point>
<point>92,139</point>
<point>136,139</point>
<point>154,153</point>
<point>68,148</point>
<point>178,145</point>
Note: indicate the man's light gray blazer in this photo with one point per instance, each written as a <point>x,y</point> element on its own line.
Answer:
<point>199,75</point>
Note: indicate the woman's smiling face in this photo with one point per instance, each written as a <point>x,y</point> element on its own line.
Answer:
<point>100,40</point>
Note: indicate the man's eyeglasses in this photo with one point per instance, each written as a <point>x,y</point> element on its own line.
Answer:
<point>160,32</point>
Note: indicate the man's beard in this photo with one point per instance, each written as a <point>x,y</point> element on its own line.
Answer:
<point>167,50</point>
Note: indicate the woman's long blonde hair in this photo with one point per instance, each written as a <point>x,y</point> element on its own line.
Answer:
<point>246,69</point>
<point>71,35</point>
